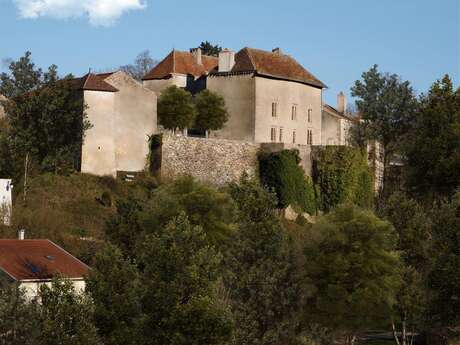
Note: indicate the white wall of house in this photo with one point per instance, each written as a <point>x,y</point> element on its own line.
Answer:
<point>335,129</point>
<point>6,204</point>
<point>286,95</point>
<point>240,98</point>
<point>31,288</point>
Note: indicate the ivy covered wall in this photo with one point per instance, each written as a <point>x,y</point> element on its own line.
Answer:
<point>341,174</point>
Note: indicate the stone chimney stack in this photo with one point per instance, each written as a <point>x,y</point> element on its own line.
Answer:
<point>196,52</point>
<point>277,51</point>
<point>226,60</point>
<point>341,103</point>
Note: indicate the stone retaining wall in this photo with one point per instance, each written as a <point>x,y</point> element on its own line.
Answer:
<point>215,161</point>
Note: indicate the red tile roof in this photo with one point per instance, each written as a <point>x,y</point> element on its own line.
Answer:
<point>182,63</point>
<point>273,64</point>
<point>94,82</point>
<point>38,260</point>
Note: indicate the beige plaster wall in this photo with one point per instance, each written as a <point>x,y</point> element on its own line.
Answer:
<point>2,111</point>
<point>135,119</point>
<point>98,151</point>
<point>239,94</point>
<point>331,129</point>
<point>286,94</point>
<point>180,80</point>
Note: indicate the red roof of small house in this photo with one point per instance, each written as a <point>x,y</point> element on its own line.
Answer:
<point>38,260</point>
<point>182,63</point>
<point>273,64</point>
<point>93,82</point>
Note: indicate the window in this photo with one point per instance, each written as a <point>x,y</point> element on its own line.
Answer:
<point>310,111</point>
<point>309,137</point>
<point>274,109</point>
<point>293,137</point>
<point>294,112</point>
<point>281,134</point>
<point>273,134</point>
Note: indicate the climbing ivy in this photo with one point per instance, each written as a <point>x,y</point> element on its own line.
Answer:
<point>154,156</point>
<point>280,171</point>
<point>342,175</point>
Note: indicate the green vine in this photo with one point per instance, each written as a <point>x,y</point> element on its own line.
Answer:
<point>280,171</point>
<point>342,174</point>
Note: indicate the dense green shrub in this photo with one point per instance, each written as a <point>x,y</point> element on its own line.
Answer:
<point>341,174</point>
<point>281,172</point>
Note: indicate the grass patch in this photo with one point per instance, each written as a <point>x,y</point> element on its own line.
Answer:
<point>68,210</point>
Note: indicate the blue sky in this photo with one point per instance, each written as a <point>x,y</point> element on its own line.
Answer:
<point>335,39</point>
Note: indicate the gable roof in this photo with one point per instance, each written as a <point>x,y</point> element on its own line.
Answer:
<point>332,111</point>
<point>38,260</point>
<point>93,82</point>
<point>182,63</point>
<point>274,65</point>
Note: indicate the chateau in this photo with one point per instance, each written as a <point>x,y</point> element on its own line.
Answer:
<point>272,100</point>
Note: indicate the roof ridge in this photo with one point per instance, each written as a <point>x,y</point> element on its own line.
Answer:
<point>247,50</point>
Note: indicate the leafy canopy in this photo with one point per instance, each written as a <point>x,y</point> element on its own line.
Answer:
<point>211,111</point>
<point>352,273</point>
<point>176,108</point>
<point>209,49</point>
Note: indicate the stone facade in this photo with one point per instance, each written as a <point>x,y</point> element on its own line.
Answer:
<point>215,161</point>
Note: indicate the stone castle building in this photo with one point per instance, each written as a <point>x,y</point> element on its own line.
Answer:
<point>271,99</point>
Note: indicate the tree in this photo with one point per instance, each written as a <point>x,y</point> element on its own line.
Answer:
<point>204,206</point>
<point>180,272</point>
<point>444,280</point>
<point>46,116</point>
<point>434,142</point>
<point>260,276</point>
<point>386,104</point>
<point>176,108</point>
<point>114,286</point>
<point>353,272</point>
<point>18,317</point>
<point>413,227</point>
<point>209,49</point>
<point>211,111</point>
<point>142,65</point>
<point>66,316</point>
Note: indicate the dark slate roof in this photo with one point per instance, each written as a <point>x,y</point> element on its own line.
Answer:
<point>182,63</point>
<point>38,260</point>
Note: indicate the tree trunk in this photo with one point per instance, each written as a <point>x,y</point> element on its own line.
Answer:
<point>26,167</point>
<point>404,333</point>
<point>395,334</point>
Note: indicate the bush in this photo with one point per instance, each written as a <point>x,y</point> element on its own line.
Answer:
<point>281,172</point>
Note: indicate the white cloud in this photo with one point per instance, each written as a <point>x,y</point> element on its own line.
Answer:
<point>99,12</point>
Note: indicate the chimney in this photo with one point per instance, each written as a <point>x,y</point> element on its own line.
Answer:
<point>277,51</point>
<point>341,103</point>
<point>21,234</point>
<point>196,52</point>
<point>226,60</point>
